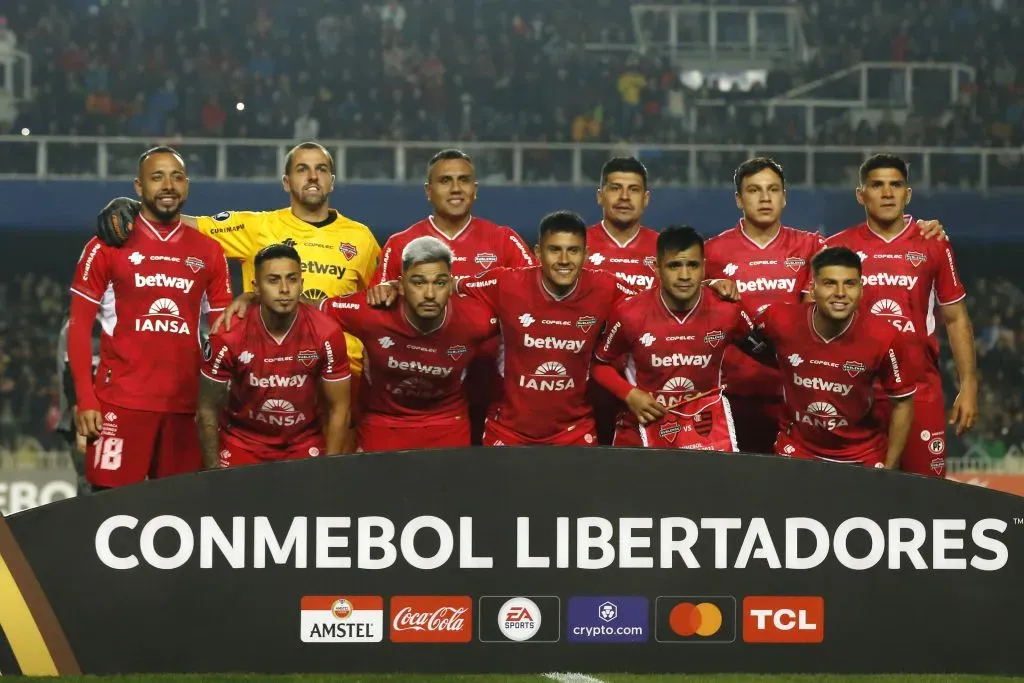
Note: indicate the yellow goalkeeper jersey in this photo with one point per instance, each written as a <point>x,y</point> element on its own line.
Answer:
<point>337,259</point>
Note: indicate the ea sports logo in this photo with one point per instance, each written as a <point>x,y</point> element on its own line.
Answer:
<point>519,619</point>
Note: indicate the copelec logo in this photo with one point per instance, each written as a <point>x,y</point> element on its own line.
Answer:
<point>607,619</point>
<point>519,619</point>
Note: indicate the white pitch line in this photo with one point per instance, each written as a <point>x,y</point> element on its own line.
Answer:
<point>573,678</point>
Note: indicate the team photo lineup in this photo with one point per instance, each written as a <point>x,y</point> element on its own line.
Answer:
<point>763,339</point>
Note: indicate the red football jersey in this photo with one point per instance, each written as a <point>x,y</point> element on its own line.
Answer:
<point>151,292</point>
<point>672,356</point>
<point>904,278</point>
<point>632,262</point>
<point>547,344</point>
<point>829,383</point>
<point>275,384</point>
<point>409,374</point>
<point>775,273</point>
<point>479,245</point>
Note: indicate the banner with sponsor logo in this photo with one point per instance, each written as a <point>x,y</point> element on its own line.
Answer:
<point>24,489</point>
<point>519,560</point>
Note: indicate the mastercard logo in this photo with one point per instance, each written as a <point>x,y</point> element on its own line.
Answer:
<point>703,619</point>
<point>695,619</point>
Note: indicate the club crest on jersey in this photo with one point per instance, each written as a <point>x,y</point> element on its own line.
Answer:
<point>456,352</point>
<point>307,357</point>
<point>853,368</point>
<point>669,430</point>
<point>194,264</point>
<point>485,259</point>
<point>795,263</point>
<point>651,263</point>
<point>349,250</point>
<point>916,258</point>
<point>714,338</point>
<point>586,322</point>
<point>703,422</point>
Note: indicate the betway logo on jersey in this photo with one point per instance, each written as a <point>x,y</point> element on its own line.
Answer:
<point>553,343</point>
<point>416,366</point>
<point>819,384</point>
<point>550,376</point>
<point>821,415</point>
<point>767,284</point>
<point>275,381</point>
<point>317,268</point>
<point>890,280</point>
<point>645,281</point>
<point>161,280</point>
<point>679,360</point>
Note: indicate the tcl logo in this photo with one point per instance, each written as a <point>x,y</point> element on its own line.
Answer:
<point>431,619</point>
<point>793,619</point>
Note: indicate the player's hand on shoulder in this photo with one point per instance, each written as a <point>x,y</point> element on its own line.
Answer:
<point>115,222</point>
<point>236,309</point>
<point>644,406</point>
<point>725,289</point>
<point>932,229</point>
<point>383,295</point>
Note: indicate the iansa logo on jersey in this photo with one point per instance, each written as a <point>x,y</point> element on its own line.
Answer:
<point>278,413</point>
<point>163,316</point>
<point>821,415</point>
<point>550,376</point>
<point>887,308</point>
<point>342,619</point>
<point>675,391</point>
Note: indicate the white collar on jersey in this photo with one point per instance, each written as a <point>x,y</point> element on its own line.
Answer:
<point>907,220</point>
<point>286,332</point>
<point>743,232</point>
<point>156,233</point>
<point>810,321</point>
<point>458,232</point>
<point>444,318</point>
<point>661,296</point>
<point>622,245</point>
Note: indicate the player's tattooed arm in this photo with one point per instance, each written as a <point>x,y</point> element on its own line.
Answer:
<point>213,396</point>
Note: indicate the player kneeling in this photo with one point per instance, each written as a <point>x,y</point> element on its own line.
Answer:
<point>287,369</point>
<point>417,353</point>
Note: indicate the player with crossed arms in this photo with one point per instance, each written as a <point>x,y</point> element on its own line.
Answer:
<point>275,386</point>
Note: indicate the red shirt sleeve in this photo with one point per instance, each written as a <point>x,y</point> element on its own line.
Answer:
<point>218,290</point>
<point>949,289</point>
<point>895,370</point>
<point>609,378</point>
<point>93,273</point>
<point>742,325</point>
<point>83,315</point>
<point>390,263</point>
<point>483,287</point>
<point>517,254</point>
<point>335,365</point>
<point>615,340</point>
<point>218,359</point>
<point>348,310</point>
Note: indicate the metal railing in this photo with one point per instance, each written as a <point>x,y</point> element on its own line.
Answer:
<point>503,163</point>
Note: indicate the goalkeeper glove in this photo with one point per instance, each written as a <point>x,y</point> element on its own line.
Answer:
<point>115,222</point>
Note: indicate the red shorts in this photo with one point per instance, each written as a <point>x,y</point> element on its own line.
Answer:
<point>757,422</point>
<point>787,446</point>
<point>701,425</point>
<point>378,433</point>
<point>137,444</point>
<point>627,433</point>
<point>236,452</point>
<point>583,433</point>
<point>925,452</point>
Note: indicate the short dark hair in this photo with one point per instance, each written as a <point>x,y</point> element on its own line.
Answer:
<point>676,238</point>
<point>307,145</point>
<point>276,251</point>
<point>563,221</point>
<point>884,161</point>
<point>756,165</point>
<point>623,165</point>
<point>445,155</point>
<point>835,256</point>
<point>162,149</point>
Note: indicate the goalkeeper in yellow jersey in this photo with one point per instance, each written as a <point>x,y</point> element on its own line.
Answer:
<point>339,256</point>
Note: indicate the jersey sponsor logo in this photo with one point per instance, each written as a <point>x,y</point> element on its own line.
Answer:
<point>821,415</point>
<point>222,216</point>
<point>245,357</point>
<point>485,259</point>
<point>952,268</point>
<point>586,322</point>
<point>675,391</point>
<point>766,284</point>
<point>482,283</point>
<point>714,338</point>
<point>647,339</point>
<point>276,381</point>
<point>679,360</point>
<point>228,228</point>
<point>730,269</point>
<point>418,367</point>
<point>158,257</point>
<point>194,264</point>
<point>424,349</point>
<point>317,268</point>
<point>315,294</point>
<point>163,316</point>
<point>645,281</point>
<point>278,412</point>
<point>346,305</point>
<point>522,248</point>
<point>386,342</point>
<point>680,337</point>
<point>313,356</point>
<point>318,245</point>
<point>553,343</point>
<point>550,376</point>
<point>895,367</point>
<point>819,384</point>
<point>854,368</point>
<point>526,320</point>
<point>88,261</point>
<point>764,263</point>
<point>890,280</point>
<point>136,258</point>
<point>309,356</point>
<point>348,250</point>
<point>597,258</point>
<point>165,281</point>
<point>795,263</point>
<point>280,359</point>
<point>549,321</point>
<point>456,352</point>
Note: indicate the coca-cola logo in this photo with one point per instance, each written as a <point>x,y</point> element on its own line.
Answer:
<point>431,619</point>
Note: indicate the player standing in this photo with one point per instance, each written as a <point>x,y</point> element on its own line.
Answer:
<point>906,278</point>
<point>417,354</point>
<point>831,354</point>
<point>275,386</point>
<point>673,337</point>
<point>550,318</point>
<point>149,295</point>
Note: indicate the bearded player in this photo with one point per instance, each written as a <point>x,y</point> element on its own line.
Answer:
<point>831,354</point>
<point>673,338</point>
<point>275,386</point>
<point>417,354</point>
<point>906,280</point>
<point>149,296</point>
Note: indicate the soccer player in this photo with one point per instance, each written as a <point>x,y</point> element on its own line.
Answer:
<point>477,244</point>
<point>906,278</point>
<point>673,337</point>
<point>275,386</point>
<point>831,354</point>
<point>550,318</point>
<point>417,354</point>
<point>150,295</point>
<point>339,256</point>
